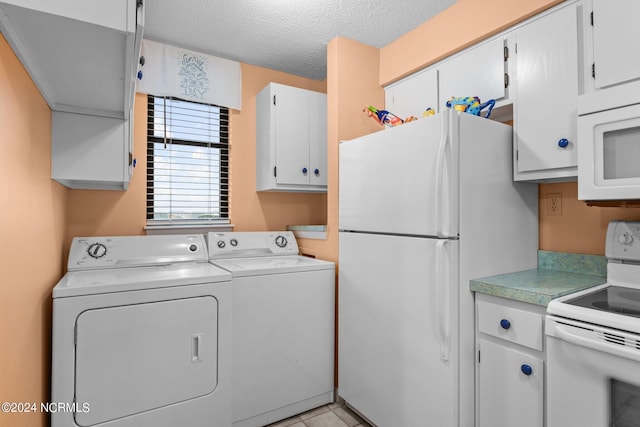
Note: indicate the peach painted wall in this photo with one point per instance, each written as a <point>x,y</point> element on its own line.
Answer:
<point>93,213</point>
<point>352,83</point>
<point>461,25</point>
<point>32,233</point>
<point>115,213</point>
<point>350,67</point>
<point>251,211</point>
<point>579,228</point>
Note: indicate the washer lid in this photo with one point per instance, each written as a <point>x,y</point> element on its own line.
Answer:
<point>240,267</point>
<point>91,282</point>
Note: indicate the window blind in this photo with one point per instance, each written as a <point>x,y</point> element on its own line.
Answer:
<point>187,162</point>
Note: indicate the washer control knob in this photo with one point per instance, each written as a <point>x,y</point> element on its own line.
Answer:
<point>281,241</point>
<point>97,250</point>
<point>233,242</point>
<point>193,247</point>
<point>221,244</point>
<point>626,239</point>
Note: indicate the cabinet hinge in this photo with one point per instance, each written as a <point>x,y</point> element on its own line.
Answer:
<point>593,70</point>
<point>478,356</point>
<point>517,153</point>
<point>274,100</point>
<point>506,53</point>
<point>591,18</point>
<point>130,158</point>
<point>274,171</point>
<point>506,80</point>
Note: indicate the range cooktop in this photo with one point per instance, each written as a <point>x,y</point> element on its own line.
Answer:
<point>614,299</point>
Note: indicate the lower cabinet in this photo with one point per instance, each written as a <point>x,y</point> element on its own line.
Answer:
<point>510,363</point>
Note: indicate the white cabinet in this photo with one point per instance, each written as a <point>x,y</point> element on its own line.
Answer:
<point>546,84</point>
<point>413,95</point>
<point>100,161</point>
<point>510,363</point>
<point>83,58</point>
<point>478,71</point>
<point>616,42</point>
<point>510,387</point>
<point>291,139</point>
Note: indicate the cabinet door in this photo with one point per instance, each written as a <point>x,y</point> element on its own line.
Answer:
<point>507,396</point>
<point>547,91</point>
<point>413,95</point>
<point>616,41</point>
<point>476,72</point>
<point>90,152</point>
<point>291,111</point>
<point>317,138</point>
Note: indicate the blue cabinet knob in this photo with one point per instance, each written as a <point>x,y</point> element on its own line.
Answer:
<point>304,170</point>
<point>563,143</point>
<point>316,172</point>
<point>505,324</point>
<point>526,369</point>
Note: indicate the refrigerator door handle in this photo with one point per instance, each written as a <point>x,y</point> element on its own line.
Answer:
<point>440,157</point>
<point>442,284</point>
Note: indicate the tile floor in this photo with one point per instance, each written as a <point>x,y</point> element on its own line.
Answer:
<point>332,415</point>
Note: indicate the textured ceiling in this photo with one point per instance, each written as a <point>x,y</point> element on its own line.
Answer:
<point>285,35</point>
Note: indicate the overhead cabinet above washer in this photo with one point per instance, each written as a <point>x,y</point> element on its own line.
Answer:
<point>83,58</point>
<point>291,140</point>
<point>80,54</point>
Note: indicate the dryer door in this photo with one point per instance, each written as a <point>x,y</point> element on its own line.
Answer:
<point>136,358</point>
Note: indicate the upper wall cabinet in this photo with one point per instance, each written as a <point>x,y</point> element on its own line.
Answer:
<point>479,71</point>
<point>613,28</point>
<point>83,58</point>
<point>80,54</point>
<point>413,95</point>
<point>546,84</point>
<point>291,139</point>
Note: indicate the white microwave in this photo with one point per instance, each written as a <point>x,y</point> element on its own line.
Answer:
<point>609,145</point>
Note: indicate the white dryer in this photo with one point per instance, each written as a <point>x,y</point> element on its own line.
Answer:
<point>141,335</point>
<point>283,325</point>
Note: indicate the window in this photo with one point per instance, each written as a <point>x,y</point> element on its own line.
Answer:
<point>187,162</point>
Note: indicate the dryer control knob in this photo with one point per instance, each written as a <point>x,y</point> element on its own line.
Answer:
<point>221,244</point>
<point>281,241</point>
<point>97,250</point>
<point>233,242</point>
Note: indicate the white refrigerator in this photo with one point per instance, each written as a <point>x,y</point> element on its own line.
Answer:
<point>424,208</point>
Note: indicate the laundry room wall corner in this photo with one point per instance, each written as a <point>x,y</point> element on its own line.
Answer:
<point>32,234</point>
<point>115,213</point>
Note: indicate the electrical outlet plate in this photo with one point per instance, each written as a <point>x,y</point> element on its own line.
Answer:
<point>554,204</point>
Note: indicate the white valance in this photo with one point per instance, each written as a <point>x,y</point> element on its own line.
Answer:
<point>194,76</point>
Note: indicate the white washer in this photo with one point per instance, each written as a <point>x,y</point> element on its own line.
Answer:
<point>141,335</point>
<point>283,325</point>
